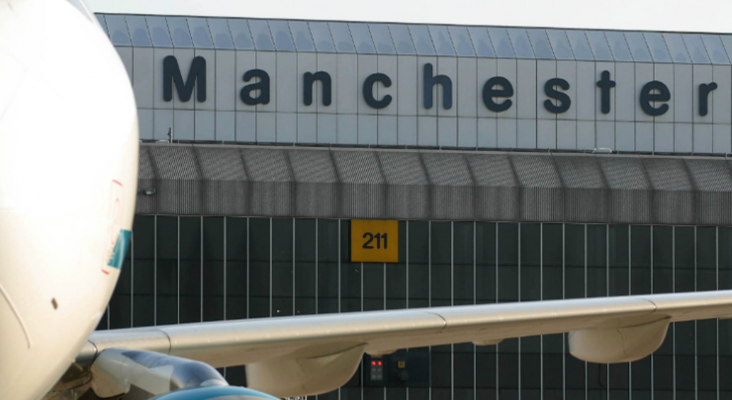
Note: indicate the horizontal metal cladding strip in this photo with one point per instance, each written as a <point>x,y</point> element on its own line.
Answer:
<point>319,182</point>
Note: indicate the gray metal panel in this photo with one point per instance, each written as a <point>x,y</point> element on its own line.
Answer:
<point>179,185</point>
<point>145,180</point>
<point>407,186</point>
<point>630,191</point>
<point>541,188</point>
<point>363,189</point>
<point>585,190</point>
<point>451,185</point>
<point>673,192</point>
<point>713,182</point>
<point>497,191</point>
<point>271,183</point>
<point>225,182</point>
<point>317,185</point>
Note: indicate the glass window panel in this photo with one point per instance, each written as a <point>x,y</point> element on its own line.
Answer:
<point>530,262</point>
<point>396,274</point>
<point>373,286</point>
<point>695,47</point>
<point>321,36</point>
<point>618,46</point>
<point>166,278</point>
<point>481,42</point>
<point>599,46</point>
<point>328,263</point>
<point>259,267</point>
<point>301,34</point>
<point>715,49</point>
<point>382,38</point>
<point>663,259</point>
<point>418,264</point>
<point>580,45</point>
<point>463,263</point>
<point>243,39</point>
<point>552,261</point>
<point>677,48</point>
<point>441,40</point>
<point>402,39</point>
<point>596,261</point>
<point>362,38</point>
<point>619,259</point>
<point>501,42</point>
<point>213,268</point>
<point>260,34</point>
<point>485,260</point>
<point>118,32</point>
<point>441,258</point>
<point>221,34</point>
<point>342,36</point>
<point>540,43</point>
<point>574,253</point>
<point>461,41</point>
<point>560,44</point>
<point>200,33</point>
<point>236,268</point>
<point>179,31</point>
<point>143,248</point>
<point>422,40</point>
<point>281,34</point>
<point>658,47</point>
<point>138,29</point>
<point>638,46</point>
<point>351,282</point>
<point>530,368</point>
<point>102,23</point>
<point>282,266</point>
<point>507,248</point>
<point>159,32</point>
<point>305,258</point>
<point>189,266</point>
<point>640,259</point>
<point>521,44</point>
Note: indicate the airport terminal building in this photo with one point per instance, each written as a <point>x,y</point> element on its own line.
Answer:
<point>305,167</point>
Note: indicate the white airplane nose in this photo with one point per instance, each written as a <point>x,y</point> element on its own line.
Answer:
<point>15,344</point>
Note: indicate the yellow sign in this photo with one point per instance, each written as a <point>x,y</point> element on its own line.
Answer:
<point>401,364</point>
<point>374,241</point>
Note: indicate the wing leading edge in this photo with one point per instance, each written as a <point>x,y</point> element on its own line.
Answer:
<point>302,355</point>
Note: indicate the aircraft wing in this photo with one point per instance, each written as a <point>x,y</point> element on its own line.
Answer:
<point>289,356</point>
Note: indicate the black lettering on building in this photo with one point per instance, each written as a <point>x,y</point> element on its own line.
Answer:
<point>561,97</point>
<point>605,84</point>
<point>171,74</point>
<point>308,82</point>
<point>262,86</point>
<point>704,90</point>
<point>654,91</point>
<point>368,90</point>
<point>504,90</point>
<point>430,81</point>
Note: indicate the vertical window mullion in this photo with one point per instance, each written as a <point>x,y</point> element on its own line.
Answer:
<point>155,264</point>
<point>201,217</point>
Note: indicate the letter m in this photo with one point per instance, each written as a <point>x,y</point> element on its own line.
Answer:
<point>171,73</point>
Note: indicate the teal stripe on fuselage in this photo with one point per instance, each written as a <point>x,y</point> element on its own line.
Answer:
<point>120,249</point>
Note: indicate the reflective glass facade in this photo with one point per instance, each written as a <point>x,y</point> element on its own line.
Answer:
<point>372,38</point>
<point>189,269</point>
